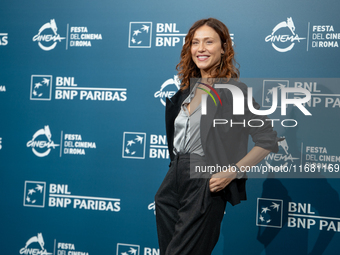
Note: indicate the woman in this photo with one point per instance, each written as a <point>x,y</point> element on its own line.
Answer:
<point>189,210</point>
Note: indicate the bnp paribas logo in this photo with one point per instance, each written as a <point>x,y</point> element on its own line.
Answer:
<point>34,194</point>
<point>134,145</point>
<point>41,87</point>
<point>269,212</point>
<point>140,34</point>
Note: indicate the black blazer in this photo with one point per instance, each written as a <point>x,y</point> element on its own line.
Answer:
<point>223,144</point>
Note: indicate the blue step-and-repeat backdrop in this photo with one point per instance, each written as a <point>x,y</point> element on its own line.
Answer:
<point>82,137</point>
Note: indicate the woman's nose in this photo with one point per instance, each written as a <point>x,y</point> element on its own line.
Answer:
<point>201,47</point>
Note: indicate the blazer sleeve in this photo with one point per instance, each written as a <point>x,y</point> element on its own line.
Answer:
<point>263,136</point>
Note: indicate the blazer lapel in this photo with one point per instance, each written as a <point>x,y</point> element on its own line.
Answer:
<point>207,121</point>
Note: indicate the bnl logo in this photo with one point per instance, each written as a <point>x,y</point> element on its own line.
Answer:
<point>269,212</point>
<point>34,194</point>
<point>134,145</point>
<point>140,34</point>
<point>41,87</point>
<point>127,249</point>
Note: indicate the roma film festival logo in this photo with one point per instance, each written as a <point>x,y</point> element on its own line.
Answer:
<point>34,194</point>
<point>283,36</point>
<point>280,158</point>
<point>140,34</point>
<point>269,212</point>
<point>41,142</point>
<point>127,249</point>
<point>48,36</point>
<point>134,145</point>
<point>35,245</point>
<point>168,89</point>
<point>41,87</point>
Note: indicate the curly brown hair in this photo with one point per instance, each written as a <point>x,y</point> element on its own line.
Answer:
<point>226,69</point>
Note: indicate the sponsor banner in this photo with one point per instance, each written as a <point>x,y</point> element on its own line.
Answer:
<point>149,34</point>
<point>60,196</point>
<point>135,147</point>
<point>270,213</point>
<point>3,39</point>
<point>67,89</point>
<point>49,37</point>
<point>165,35</point>
<point>285,35</point>
<point>70,143</point>
<point>36,245</point>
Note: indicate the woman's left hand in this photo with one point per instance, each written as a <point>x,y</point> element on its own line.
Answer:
<point>221,180</point>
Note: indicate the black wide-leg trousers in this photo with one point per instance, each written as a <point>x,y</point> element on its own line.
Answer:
<point>188,215</point>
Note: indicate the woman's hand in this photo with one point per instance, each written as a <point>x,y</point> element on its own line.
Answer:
<point>221,180</point>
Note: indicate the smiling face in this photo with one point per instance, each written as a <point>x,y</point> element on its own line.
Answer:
<point>206,50</point>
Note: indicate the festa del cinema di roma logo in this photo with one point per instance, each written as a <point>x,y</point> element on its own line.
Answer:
<point>281,41</point>
<point>41,142</point>
<point>47,36</point>
<point>32,248</point>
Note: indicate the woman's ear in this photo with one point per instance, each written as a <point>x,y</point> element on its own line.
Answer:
<point>224,46</point>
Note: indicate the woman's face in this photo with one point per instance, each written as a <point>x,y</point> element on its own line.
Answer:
<point>206,49</point>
